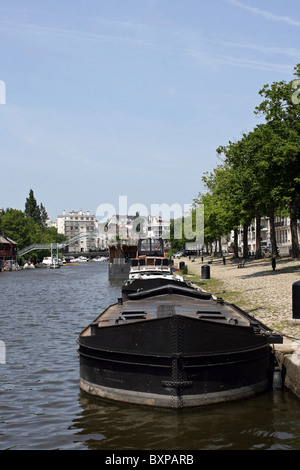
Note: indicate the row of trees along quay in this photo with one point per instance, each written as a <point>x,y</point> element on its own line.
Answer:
<point>29,226</point>
<point>259,174</point>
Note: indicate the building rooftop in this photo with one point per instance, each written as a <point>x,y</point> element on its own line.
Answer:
<point>4,239</point>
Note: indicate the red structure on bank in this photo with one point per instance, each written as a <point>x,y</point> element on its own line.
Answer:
<point>8,250</point>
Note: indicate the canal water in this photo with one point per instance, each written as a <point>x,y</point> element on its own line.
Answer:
<point>41,406</point>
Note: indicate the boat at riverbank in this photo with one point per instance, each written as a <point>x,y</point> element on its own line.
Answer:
<point>175,346</point>
<point>150,268</point>
<point>52,262</point>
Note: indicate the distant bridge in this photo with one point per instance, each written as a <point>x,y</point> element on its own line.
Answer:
<point>56,246</point>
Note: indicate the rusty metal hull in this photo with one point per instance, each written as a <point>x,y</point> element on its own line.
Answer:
<point>174,361</point>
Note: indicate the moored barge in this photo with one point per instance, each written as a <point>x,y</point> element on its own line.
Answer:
<point>150,268</point>
<point>175,346</point>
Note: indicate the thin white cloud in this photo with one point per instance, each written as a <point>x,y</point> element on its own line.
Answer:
<point>266,14</point>
<point>194,46</point>
<point>159,42</point>
<point>275,50</point>
<point>255,65</point>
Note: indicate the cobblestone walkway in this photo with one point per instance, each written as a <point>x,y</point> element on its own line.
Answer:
<point>264,292</point>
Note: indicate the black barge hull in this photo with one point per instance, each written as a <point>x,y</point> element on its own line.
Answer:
<point>174,362</point>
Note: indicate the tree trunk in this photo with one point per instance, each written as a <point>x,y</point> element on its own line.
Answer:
<point>258,253</point>
<point>216,247</point>
<point>245,241</point>
<point>294,231</point>
<point>272,234</point>
<point>220,245</point>
<point>235,247</point>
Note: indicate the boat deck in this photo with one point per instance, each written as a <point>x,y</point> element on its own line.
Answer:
<point>166,305</point>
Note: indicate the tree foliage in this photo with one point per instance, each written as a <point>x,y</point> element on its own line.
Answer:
<point>260,173</point>
<point>282,112</point>
<point>29,227</point>
<point>33,210</point>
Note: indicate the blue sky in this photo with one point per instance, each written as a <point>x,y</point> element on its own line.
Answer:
<point>106,98</point>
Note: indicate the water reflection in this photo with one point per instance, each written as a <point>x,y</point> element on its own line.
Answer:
<point>267,422</point>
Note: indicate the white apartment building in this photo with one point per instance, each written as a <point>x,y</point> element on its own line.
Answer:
<point>128,227</point>
<point>84,226</point>
<point>282,234</point>
<point>51,223</point>
<point>157,227</point>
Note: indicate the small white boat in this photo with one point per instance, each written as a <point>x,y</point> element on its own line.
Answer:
<point>151,269</point>
<point>28,266</point>
<point>100,258</point>
<point>51,262</point>
<point>82,259</point>
<point>47,261</point>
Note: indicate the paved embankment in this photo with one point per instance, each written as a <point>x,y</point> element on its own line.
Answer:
<point>265,293</point>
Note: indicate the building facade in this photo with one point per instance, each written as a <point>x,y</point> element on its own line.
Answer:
<point>282,234</point>
<point>82,227</point>
<point>128,227</point>
<point>157,227</point>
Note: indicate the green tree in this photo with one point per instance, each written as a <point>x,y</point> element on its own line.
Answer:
<point>211,228</point>
<point>25,231</point>
<point>260,174</point>
<point>259,165</point>
<point>43,215</point>
<point>238,191</point>
<point>17,226</point>
<point>32,209</point>
<point>282,112</point>
<point>233,193</point>
<point>177,239</point>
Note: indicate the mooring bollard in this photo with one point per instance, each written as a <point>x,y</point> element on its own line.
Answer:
<point>296,300</point>
<point>205,271</point>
